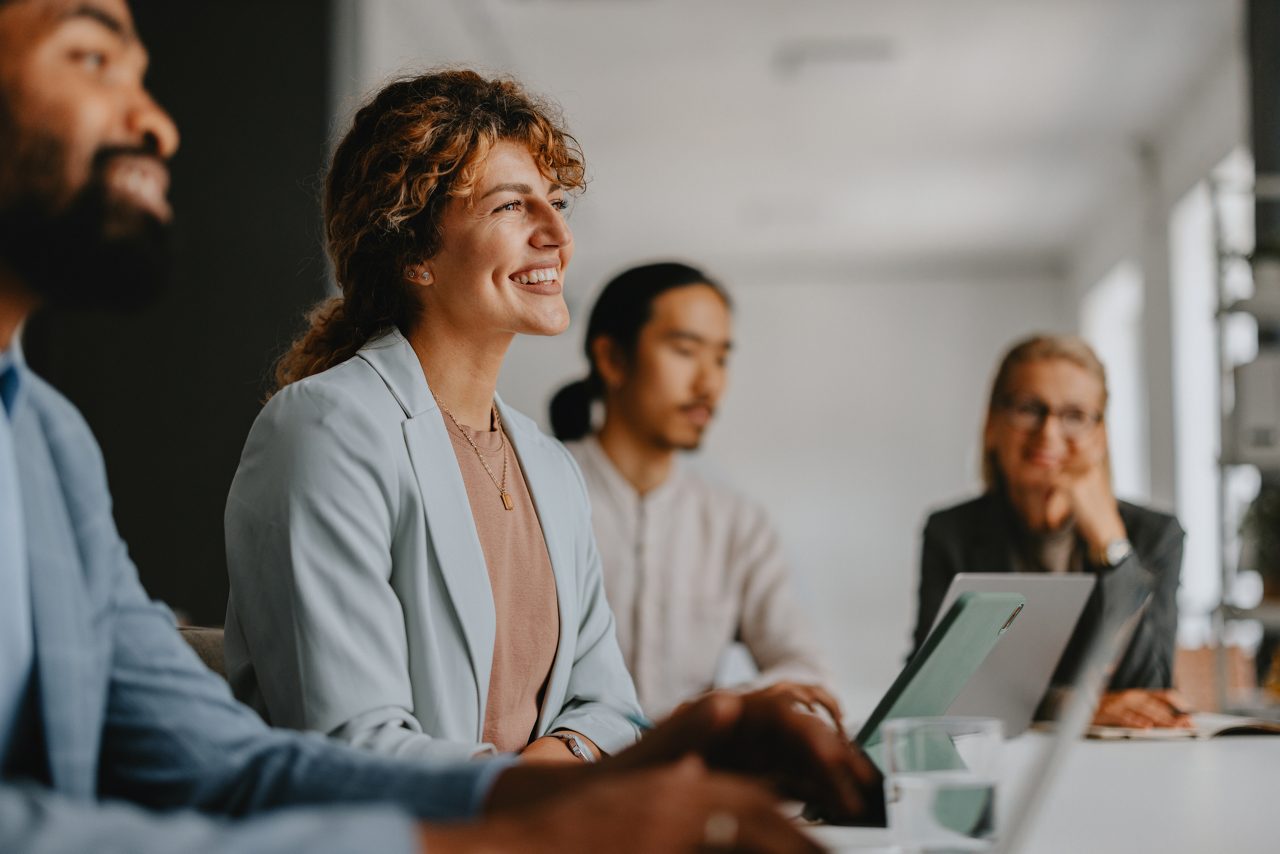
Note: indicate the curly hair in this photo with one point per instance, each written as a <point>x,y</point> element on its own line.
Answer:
<point>420,143</point>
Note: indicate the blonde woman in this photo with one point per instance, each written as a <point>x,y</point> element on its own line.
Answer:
<point>1049,507</point>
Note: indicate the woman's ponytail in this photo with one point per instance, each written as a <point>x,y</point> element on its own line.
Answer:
<point>332,337</point>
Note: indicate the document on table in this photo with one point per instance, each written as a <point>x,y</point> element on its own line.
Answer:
<point>1205,725</point>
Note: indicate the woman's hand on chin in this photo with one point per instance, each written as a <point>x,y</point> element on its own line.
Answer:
<point>1085,490</point>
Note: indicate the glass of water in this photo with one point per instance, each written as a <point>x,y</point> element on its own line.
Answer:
<point>940,782</point>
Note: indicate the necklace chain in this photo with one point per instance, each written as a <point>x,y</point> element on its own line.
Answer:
<point>497,422</point>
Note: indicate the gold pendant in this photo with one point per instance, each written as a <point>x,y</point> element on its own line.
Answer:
<point>506,500</point>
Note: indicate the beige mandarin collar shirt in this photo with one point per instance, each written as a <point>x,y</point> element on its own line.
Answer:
<point>689,568</point>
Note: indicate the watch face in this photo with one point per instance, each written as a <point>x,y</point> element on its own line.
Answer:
<point>576,747</point>
<point>1117,551</point>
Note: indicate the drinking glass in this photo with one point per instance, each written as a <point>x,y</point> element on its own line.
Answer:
<point>940,782</point>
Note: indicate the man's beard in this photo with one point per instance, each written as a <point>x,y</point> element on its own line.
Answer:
<point>682,445</point>
<point>93,252</point>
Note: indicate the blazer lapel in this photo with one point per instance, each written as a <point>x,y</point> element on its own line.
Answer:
<point>444,496</point>
<point>69,683</point>
<point>544,475</point>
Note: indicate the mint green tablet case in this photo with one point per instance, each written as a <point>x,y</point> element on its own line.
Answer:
<point>932,680</point>
<point>952,653</point>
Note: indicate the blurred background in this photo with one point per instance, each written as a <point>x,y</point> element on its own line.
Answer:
<point>893,190</point>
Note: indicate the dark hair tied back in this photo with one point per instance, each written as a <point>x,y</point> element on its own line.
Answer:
<point>571,408</point>
<point>621,311</point>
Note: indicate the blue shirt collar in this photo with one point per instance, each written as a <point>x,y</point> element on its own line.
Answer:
<point>11,367</point>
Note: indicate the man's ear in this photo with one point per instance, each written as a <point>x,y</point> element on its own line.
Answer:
<point>609,361</point>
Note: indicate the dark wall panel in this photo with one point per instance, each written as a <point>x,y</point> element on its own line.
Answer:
<point>1263,25</point>
<point>171,392</point>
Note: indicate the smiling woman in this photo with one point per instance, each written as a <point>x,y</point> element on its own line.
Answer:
<point>412,562</point>
<point>1049,507</point>
<point>410,169</point>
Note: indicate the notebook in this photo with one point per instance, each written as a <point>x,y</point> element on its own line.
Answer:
<point>1206,725</point>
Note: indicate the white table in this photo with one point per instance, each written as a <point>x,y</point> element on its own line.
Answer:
<point>1197,797</point>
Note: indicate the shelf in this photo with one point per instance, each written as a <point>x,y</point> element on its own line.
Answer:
<point>1266,309</point>
<point>1268,613</point>
<point>1268,470</point>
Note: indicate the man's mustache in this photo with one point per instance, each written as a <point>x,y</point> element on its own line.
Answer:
<point>103,156</point>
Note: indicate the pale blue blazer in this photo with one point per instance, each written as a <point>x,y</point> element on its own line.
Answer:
<point>360,602</point>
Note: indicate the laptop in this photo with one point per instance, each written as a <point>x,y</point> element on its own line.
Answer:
<point>1013,679</point>
<point>956,647</point>
<point>1127,599</point>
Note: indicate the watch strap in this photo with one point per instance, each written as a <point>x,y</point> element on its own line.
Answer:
<point>577,746</point>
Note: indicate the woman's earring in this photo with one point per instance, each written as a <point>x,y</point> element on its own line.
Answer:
<point>419,274</point>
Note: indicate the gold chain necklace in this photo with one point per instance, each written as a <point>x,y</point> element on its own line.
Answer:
<point>497,422</point>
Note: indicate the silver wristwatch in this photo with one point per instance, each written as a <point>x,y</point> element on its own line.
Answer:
<point>576,746</point>
<point>1115,552</point>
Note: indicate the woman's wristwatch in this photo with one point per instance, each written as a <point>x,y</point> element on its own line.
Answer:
<point>1113,553</point>
<point>577,746</point>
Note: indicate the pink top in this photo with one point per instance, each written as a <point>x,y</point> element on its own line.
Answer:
<point>524,587</point>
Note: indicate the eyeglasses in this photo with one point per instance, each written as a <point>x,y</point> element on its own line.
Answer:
<point>1031,414</point>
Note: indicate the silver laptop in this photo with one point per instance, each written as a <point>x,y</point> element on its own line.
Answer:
<point>1128,598</point>
<point>1012,680</point>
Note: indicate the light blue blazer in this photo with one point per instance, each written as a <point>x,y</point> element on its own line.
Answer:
<point>360,602</point>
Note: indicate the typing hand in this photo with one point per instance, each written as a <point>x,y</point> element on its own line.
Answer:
<point>812,697</point>
<point>762,734</point>
<point>1142,709</point>
<point>677,807</point>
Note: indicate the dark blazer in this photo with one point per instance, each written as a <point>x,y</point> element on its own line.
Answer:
<point>979,536</point>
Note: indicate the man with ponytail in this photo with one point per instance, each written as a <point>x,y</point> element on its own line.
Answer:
<point>690,565</point>
<point>113,736</point>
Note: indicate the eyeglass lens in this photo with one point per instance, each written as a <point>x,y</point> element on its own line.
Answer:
<point>1031,414</point>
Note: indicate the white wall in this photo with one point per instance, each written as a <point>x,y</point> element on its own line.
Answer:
<point>1111,321</point>
<point>1206,125</point>
<point>1154,220</point>
<point>853,408</point>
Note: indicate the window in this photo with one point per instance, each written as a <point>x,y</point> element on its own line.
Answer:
<point>1111,321</point>
<point>1193,270</point>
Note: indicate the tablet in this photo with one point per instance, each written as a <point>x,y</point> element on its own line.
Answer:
<point>1012,680</point>
<point>953,652</point>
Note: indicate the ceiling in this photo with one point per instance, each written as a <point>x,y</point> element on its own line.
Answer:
<point>832,134</point>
